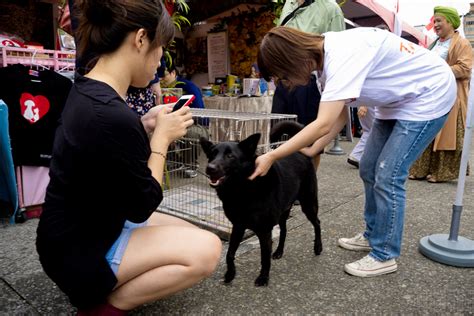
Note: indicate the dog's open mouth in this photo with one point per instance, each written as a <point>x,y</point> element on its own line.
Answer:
<point>215,182</point>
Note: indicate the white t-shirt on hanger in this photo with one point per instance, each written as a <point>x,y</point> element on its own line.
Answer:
<point>373,67</point>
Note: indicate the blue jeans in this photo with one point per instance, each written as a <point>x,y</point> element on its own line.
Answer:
<point>392,147</point>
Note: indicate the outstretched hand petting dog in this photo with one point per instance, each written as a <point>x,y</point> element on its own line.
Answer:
<point>262,165</point>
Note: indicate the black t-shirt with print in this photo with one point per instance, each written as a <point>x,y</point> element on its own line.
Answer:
<point>35,104</point>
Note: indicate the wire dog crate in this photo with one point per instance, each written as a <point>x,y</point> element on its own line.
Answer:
<point>188,194</point>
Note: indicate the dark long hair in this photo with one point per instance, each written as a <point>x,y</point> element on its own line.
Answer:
<point>104,24</point>
<point>290,55</point>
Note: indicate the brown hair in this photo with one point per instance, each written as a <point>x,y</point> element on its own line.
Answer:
<point>104,24</point>
<point>290,55</point>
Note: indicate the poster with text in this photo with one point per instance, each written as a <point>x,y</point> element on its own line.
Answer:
<point>217,55</point>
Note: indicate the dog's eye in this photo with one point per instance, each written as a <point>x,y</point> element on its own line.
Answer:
<point>230,156</point>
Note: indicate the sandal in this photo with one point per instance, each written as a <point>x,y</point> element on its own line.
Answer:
<point>432,179</point>
<point>413,177</point>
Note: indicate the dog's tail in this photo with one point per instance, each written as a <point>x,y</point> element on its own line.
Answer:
<point>284,130</point>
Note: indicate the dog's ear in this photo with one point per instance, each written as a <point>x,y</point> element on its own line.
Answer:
<point>249,145</point>
<point>206,145</point>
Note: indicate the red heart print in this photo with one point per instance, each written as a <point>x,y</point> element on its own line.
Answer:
<point>33,108</point>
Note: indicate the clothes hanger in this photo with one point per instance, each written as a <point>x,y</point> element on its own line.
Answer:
<point>38,67</point>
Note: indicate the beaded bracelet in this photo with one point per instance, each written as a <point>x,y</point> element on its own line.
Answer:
<point>159,153</point>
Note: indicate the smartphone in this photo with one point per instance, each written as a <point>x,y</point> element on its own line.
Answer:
<point>185,100</point>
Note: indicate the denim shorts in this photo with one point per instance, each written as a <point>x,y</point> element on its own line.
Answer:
<point>115,253</point>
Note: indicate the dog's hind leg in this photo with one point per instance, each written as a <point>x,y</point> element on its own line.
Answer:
<point>265,238</point>
<point>309,206</point>
<point>281,242</point>
<point>235,238</point>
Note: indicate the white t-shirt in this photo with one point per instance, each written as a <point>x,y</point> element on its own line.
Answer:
<point>442,48</point>
<point>373,67</point>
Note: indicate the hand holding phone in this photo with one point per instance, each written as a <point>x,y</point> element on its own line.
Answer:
<point>185,100</point>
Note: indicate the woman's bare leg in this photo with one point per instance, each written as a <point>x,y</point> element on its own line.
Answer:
<point>161,219</point>
<point>162,260</point>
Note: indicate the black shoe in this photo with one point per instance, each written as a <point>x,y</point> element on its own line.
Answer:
<point>353,162</point>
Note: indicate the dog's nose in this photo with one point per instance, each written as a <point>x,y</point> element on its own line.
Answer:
<point>211,169</point>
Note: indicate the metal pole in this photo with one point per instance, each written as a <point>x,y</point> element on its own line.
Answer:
<point>457,207</point>
<point>336,149</point>
<point>453,249</point>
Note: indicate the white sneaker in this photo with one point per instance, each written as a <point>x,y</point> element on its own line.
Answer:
<point>357,243</point>
<point>370,267</point>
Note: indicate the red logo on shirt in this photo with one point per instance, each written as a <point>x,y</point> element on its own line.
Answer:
<point>33,108</point>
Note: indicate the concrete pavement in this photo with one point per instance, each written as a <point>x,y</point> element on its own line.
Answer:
<point>300,283</point>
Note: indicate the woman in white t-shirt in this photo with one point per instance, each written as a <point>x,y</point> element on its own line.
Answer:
<point>412,90</point>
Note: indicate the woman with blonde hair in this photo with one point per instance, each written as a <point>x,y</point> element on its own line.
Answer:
<point>412,90</point>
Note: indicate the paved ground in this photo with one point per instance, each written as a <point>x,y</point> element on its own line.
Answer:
<point>300,282</point>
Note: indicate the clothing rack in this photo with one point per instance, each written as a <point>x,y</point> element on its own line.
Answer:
<point>31,181</point>
<point>59,61</point>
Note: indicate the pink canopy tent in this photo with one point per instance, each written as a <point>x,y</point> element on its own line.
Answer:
<point>390,18</point>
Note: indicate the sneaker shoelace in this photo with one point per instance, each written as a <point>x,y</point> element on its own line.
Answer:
<point>360,237</point>
<point>367,261</point>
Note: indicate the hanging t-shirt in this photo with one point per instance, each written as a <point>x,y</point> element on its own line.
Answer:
<point>377,68</point>
<point>35,104</point>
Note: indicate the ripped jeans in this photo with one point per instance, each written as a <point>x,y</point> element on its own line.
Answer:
<point>392,147</point>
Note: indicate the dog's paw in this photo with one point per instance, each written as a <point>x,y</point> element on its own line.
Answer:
<point>261,281</point>
<point>318,248</point>
<point>277,254</point>
<point>225,283</point>
<point>229,276</point>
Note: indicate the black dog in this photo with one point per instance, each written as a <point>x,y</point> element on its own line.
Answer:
<point>260,204</point>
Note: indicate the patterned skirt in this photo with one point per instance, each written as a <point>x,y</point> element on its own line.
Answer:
<point>443,165</point>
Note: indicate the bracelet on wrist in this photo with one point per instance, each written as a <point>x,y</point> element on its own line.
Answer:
<point>159,153</point>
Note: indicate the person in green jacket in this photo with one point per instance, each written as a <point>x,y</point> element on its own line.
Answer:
<point>310,16</point>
